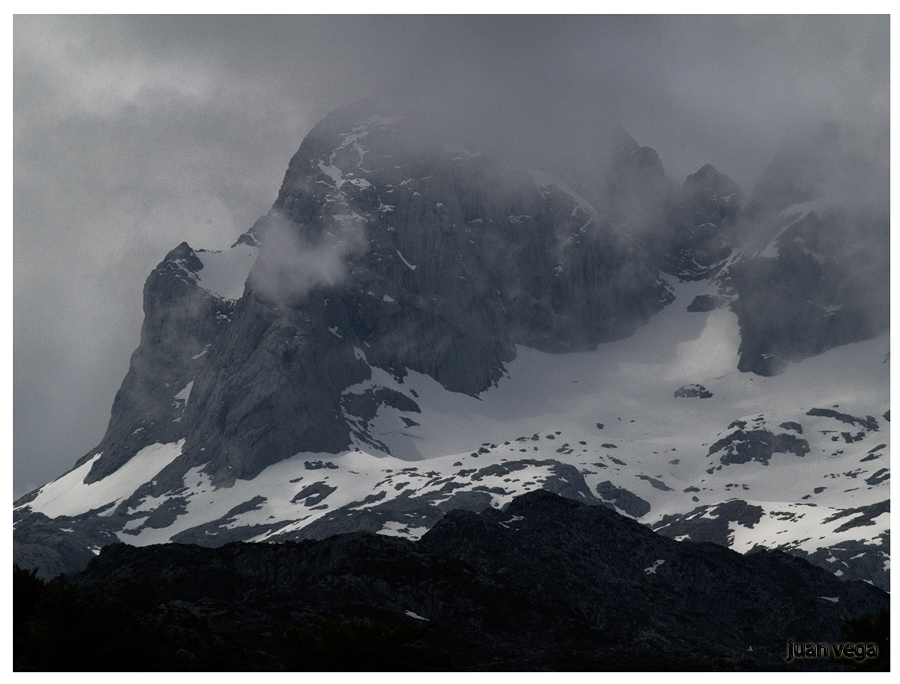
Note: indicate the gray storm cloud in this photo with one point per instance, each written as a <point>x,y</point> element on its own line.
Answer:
<point>133,134</point>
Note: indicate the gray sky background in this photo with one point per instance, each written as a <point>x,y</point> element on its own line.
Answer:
<point>132,134</point>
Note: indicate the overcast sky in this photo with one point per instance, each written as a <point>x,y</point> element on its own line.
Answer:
<point>133,134</point>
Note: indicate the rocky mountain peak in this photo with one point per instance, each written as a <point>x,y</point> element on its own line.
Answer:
<point>418,326</point>
<point>380,252</point>
<point>708,182</point>
<point>639,191</point>
<point>699,221</point>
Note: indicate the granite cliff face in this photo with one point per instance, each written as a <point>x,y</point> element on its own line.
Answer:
<point>437,260</point>
<point>181,320</point>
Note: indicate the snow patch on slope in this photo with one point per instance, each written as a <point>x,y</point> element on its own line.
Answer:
<point>611,414</point>
<point>69,495</point>
<point>225,272</point>
<point>804,524</point>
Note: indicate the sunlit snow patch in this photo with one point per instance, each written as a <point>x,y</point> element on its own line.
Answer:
<point>69,495</point>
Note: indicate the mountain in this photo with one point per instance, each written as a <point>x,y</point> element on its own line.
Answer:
<point>416,328</point>
<point>547,584</point>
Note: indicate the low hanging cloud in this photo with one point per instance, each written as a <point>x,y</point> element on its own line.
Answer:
<point>291,263</point>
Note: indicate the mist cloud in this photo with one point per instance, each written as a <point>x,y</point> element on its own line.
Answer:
<point>289,264</point>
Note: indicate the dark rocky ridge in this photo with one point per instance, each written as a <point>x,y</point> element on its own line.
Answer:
<point>545,584</point>
<point>180,320</point>
<point>869,423</point>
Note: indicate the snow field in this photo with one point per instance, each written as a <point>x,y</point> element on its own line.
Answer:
<point>549,407</point>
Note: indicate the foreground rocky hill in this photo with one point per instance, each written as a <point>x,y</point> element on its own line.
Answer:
<point>547,583</point>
